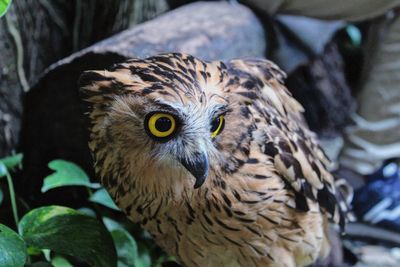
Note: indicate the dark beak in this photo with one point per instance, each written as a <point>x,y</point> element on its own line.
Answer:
<point>197,165</point>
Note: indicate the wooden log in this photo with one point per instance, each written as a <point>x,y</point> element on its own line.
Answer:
<point>53,123</point>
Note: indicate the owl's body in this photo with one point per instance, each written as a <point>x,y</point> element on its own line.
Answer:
<point>263,194</point>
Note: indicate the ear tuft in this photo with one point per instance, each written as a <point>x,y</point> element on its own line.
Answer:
<point>88,78</point>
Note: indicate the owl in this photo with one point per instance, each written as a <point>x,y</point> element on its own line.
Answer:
<point>213,159</point>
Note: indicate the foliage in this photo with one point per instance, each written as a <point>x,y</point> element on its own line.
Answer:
<point>67,231</point>
<point>63,237</point>
<point>66,174</point>
<point>12,161</point>
<point>12,248</point>
<point>102,197</point>
<point>4,5</point>
<point>354,34</point>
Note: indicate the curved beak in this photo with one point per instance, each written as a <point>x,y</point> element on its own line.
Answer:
<point>198,166</point>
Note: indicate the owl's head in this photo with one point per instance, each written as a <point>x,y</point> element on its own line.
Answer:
<point>159,120</point>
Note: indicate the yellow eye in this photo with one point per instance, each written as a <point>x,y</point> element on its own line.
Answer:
<point>217,126</point>
<point>160,125</point>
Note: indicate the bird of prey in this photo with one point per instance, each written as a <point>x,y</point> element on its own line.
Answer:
<point>213,159</point>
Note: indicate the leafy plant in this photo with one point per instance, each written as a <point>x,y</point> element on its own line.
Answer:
<point>7,164</point>
<point>67,231</point>
<point>57,236</point>
<point>4,5</point>
<point>13,250</point>
<point>66,174</point>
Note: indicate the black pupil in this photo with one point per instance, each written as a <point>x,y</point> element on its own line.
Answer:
<point>163,124</point>
<point>215,124</point>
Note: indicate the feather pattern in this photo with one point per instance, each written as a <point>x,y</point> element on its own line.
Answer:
<point>268,194</point>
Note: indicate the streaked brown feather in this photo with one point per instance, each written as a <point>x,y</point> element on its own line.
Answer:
<point>269,192</point>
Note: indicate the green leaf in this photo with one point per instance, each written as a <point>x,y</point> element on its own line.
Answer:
<point>59,261</point>
<point>12,161</point>
<point>87,211</point>
<point>143,259</point>
<point>66,174</point>
<point>354,34</point>
<point>3,168</point>
<point>67,231</point>
<point>4,5</point>
<point>40,264</point>
<point>126,248</point>
<point>111,225</point>
<point>1,196</point>
<point>102,197</point>
<point>12,248</point>
<point>163,258</point>
<point>46,253</point>
<point>9,163</point>
<point>33,251</point>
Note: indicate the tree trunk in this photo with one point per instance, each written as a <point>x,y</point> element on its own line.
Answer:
<point>37,33</point>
